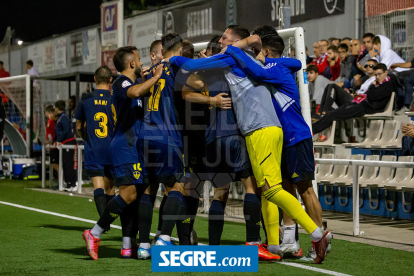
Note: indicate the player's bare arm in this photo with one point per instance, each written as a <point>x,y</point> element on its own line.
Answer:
<point>218,101</point>
<point>80,126</point>
<point>141,89</point>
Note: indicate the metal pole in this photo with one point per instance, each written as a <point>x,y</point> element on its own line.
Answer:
<point>60,169</point>
<point>80,182</point>
<point>355,200</point>
<point>120,23</point>
<point>29,86</point>
<point>206,196</point>
<point>44,166</point>
<point>50,170</point>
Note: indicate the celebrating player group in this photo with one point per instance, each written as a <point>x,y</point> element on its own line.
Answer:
<point>144,133</point>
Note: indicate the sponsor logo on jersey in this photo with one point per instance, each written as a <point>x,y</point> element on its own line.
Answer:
<point>126,84</point>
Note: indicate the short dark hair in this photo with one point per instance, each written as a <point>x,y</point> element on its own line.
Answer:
<point>188,49</point>
<point>72,98</point>
<point>343,46</point>
<point>373,60</point>
<point>239,31</point>
<point>381,66</point>
<point>49,109</point>
<point>155,44</point>
<point>347,38</point>
<point>331,39</point>
<point>214,45</point>
<point>171,42</point>
<point>122,56</point>
<point>264,30</point>
<point>103,75</point>
<point>376,40</point>
<point>371,35</point>
<point>313,68</point>
<point>29,62</point>
<point>274,43</point>
<point>60,105</point>
<point>333,48</point>
<point>327,42</point>
<point>1,62</point>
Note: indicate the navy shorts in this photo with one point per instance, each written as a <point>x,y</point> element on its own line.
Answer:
<point>228,160</point>
<point>162,163</point>
<point>128,174</point>
<point>100,170</point>
<point>298,162</point>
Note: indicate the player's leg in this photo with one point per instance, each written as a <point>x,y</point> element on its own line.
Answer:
<point>216,214</point>
<point>97,174</point>
<point>146,208</point>
<point>109,184</point>
<point>160,213</point>
<point>265,149</point>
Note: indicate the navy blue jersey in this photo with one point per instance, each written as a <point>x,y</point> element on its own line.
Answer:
<point>160,122</point>
<point>127,114</point>
<point>220,122</point>
<point>95,110</point>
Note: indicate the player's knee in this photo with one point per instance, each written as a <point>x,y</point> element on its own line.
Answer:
<point>305,189</point>
<point>221,194</point>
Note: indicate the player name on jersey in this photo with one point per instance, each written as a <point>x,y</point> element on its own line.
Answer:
<point>101,102</point>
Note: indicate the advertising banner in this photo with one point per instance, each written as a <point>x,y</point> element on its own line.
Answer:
<point>76,49</point>
<point>48,55</point>
<point>107,59</point>
<point>60,53</point>
<point>109,24</point>
<point>140,31</point>
<point>35,53</point>
<point>89,46</point>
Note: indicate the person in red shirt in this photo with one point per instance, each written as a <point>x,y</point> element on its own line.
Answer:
<point>334,62</point>
<point>321,62</point>
<point>50,136</point>
<point>3,74</point>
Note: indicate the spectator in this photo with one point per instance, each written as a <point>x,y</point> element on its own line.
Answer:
<point>316,50</point>
<point>408,85</point>
<point>345,76</point>
<point>385,55</point>
<point>333,41</point>
<point>367,41</point>
<point>51,138</point>
<point>64,136</point>
<point>374,100</point>
<point>72,110</point>
<point>3,72</point>
<point>317,83</point>
<point>321,62</point>
<point>334,94</point>
<point>358,52</point>
<point>30,70</point>
<point>347,41</point>
<point>334,62</point>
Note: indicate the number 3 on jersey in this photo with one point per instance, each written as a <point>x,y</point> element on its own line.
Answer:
<point>103,121</point>
<point>155,90</point>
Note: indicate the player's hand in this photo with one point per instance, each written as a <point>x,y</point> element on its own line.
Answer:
<point>221,102</point>
<point>203,54</point>
<point>260,57</point>
<point>158,71</point>
<point>57,144</point>
<point>223,51</point>
<point>145,72</point>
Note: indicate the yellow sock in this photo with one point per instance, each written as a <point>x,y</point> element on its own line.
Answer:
<point>270,213</point>
<point>291,206</point>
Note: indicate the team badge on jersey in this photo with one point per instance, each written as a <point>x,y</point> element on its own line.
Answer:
<point>137,170</point>
<point>126,84</point>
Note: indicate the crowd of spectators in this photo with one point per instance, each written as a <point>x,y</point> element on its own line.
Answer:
<point>349,78</point>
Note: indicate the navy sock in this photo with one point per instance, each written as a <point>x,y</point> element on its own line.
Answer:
<point>112,210</point>
<point>252,215</point>
<point>145,218</point>
<point>100,200</point>
<point>183,223</point>
<point>161,211</point>
<point>171,211</point>
<point>216,221</point>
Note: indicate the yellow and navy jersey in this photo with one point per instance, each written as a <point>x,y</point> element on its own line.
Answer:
<point>95,110</point>
<point>127,115</point>
<point>160,122</point>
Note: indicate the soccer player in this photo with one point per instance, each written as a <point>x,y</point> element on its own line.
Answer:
<point>126,112</point>
<point>298,165</point>
<point>261,127</point>
<point>160,143</point>
<point>227,157</point>
<point>95,124</point>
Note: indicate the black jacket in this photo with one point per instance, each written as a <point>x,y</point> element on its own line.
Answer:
<point>378,96</point>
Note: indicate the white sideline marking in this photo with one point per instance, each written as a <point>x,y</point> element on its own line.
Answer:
<point>320,270</point>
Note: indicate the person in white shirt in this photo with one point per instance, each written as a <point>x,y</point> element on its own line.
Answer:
<point>30,70</point>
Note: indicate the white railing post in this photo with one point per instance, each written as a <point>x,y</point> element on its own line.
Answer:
<point>355,199</point>
<point>206,196</point>
<point>80,182</point>
<point>50,169</point>
<point>60,169</point>
<point>44,166</point>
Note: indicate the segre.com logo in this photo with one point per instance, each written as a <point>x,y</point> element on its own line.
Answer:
<point>222,258</point>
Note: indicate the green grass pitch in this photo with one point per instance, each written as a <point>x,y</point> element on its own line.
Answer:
<point>41,244</point>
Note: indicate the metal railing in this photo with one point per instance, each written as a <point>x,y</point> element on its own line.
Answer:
<point>60,148</point>
<point>355,184</point>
